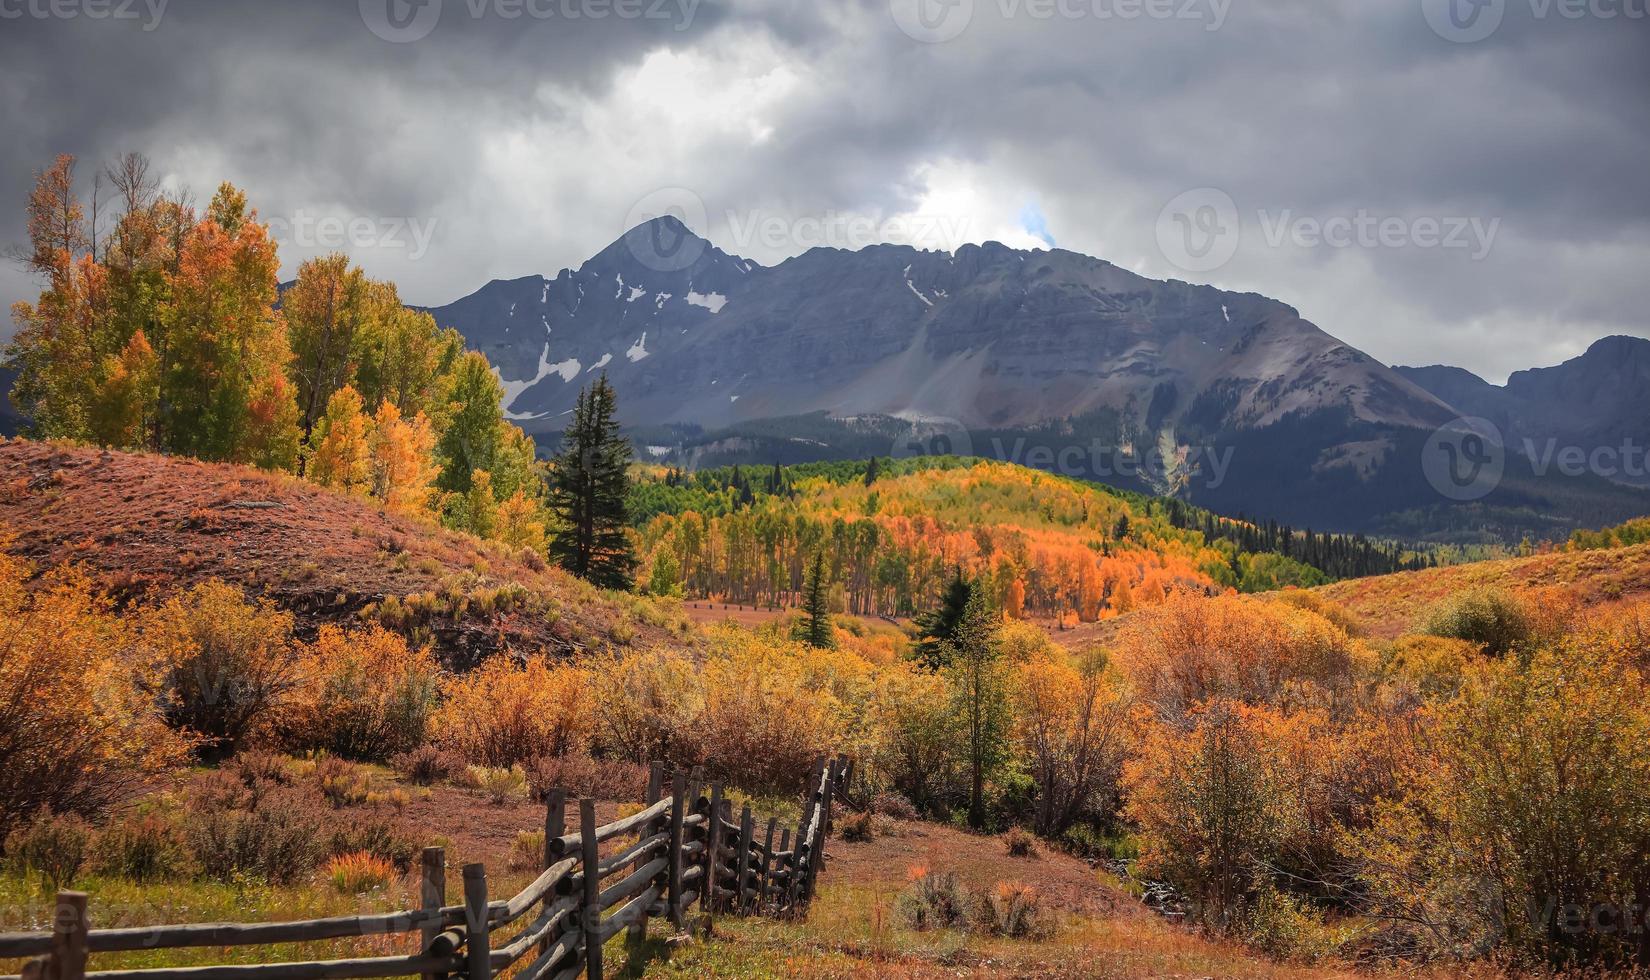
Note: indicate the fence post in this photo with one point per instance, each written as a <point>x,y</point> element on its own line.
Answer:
<point>477,948</point>
<point>696,785</point>
<point>555,825</point>
<point>655,785</point>
<point>713,847</point>
<point>432,895</point>
<point>69,929</point>
<point>746,826</point>
<point>592,917</point>
<point>555,820</point>
<point>673,864</point>
<point>817,855</point>
<point>762,878</point>
<point>779,904</point>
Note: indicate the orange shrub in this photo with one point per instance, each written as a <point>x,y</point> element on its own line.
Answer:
<point>1071,728</point>
<point>1191,650</point>
<point>232,665</point>
<point>507,714</point>
<point>1530,805</point>
<point>646,704</point>
<point>78,729</point>
<point>366,695</point>
<point>1620,632</point>
<point>1211,806</point>
<point>353,874</point>
<point>764,724</point>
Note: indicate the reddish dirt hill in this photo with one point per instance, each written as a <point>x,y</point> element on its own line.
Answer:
<point>148,525</point>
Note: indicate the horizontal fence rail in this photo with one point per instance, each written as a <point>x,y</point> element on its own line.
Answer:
<point>686,850</point>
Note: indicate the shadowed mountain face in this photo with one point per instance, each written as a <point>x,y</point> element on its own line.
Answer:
<point>989,336</point>
<point>1601,398</point>
<point>1004,352</point>
<point>9,419</point>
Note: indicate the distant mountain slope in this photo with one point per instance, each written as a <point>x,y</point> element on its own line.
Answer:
<point>988,336</point>
<point>9,419</point>
<point>1048,358</point>
<point>148,525</point>
<point>1601,398</point>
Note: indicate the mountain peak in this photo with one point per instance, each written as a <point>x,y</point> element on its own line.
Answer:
<point>1617,346</point>
<point>661,245</point>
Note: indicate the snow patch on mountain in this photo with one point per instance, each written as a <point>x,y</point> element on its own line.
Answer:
<point>710,301</point>
<point>514,389</point>
<point>638,350</point>
<point>568,369</point>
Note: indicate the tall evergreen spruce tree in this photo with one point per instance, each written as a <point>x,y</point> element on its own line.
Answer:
<point>938,627</point>
<point>980,697</point>
<point>816,624</point>
<point>589,482</point>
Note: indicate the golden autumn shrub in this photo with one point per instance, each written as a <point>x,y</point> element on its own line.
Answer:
<point>505,714</point>
<point>1191,650</point>
<point>1434,665</point>
<point>917,749</point>
<point>365,695</point>
<point>1528,821</point>
<point>1492,619</point>
<point>79,731</point>
<point>645,704</point>
<point>763,724</point>
<point>1071,728</point>
<point>1212,808</point>
<point>232,665</point>
<point>1620,632</point>
<point>1313,602</point>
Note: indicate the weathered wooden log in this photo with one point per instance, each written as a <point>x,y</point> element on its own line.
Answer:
<point>541,931</point>
<point>562,952</point>
<point>655,788</point>
<point>384,966</point>
<point>673,886</point>
<point>18,945</point>
<point>477,948</point>
<point>636,907</point>
<point>432,892</point>
<point>590,913</point>
<point>574,843</point>
<point>631,885</point>
<point>546,884</point>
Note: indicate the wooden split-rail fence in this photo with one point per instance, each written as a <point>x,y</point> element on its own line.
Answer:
<point>684,857</point>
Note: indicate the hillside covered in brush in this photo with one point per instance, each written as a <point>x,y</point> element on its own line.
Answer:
<point>896,531</point>
<point>1601,576</point>
<point>146,526</point>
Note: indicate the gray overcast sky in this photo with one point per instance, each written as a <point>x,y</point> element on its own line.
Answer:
<point>1463,185</point>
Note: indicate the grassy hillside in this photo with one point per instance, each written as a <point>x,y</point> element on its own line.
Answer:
<point>148,525</point>
<point>1387,605</point>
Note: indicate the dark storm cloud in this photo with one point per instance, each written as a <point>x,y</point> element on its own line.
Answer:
<point>523,143</point>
